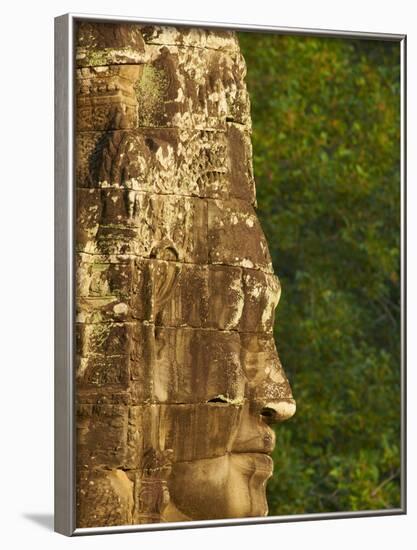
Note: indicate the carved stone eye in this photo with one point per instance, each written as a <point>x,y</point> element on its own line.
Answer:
<point>218,399</point>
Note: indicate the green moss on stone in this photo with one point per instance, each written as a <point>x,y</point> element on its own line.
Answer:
<point>150,92</point>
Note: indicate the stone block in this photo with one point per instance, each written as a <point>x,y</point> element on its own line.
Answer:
<point>106,339</point>
<point>102,432</point>
<point>102,371</point>
<point>113,356</point>
<point>106,97</point>
<point>225,297</point>
<point>151,226</point>
<point>261,295</point>
<point>204,163</point>
<point>240,176</point>
<point>88,211</point>
<point>103,498</point>
<point>113,289</point>
<point>188,87</point>
<point>235,236</point>
<point>213,39</point>
<point>180,294</point>
<point>98,276</point>
<point>101,44</point>
<point>118,158</point>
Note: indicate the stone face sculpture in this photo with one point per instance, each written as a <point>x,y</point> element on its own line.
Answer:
<point>177,375</point>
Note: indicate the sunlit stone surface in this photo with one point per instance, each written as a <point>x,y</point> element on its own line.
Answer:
<point>177,373</point>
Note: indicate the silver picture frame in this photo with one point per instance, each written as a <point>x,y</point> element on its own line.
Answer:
<point>65,448</point>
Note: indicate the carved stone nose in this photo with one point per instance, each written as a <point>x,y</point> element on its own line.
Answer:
<point>279,410</point>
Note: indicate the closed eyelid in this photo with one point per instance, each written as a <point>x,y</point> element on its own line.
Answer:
<point>226,399</point>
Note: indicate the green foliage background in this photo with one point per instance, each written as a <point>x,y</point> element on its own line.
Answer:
<point>326,140</point>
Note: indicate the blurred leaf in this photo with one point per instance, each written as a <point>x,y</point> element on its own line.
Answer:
<point>326,133</point>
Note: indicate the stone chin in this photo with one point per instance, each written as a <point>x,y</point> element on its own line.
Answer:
<point>230,486</point>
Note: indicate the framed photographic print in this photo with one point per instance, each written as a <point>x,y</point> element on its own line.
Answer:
<point>204,176</point>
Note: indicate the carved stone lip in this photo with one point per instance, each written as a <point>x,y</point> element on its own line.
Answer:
<point>263,443</point>
<point>266,449</point>
<point>253,451</point>
<point>264,463</point>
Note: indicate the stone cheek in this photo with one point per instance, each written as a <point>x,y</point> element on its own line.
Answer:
<point>161,365</point>
<point>197,366</point>
<point>118,436</point>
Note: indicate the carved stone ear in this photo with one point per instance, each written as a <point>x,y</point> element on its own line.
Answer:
<point>165,274</point>
<point>165,250</point>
